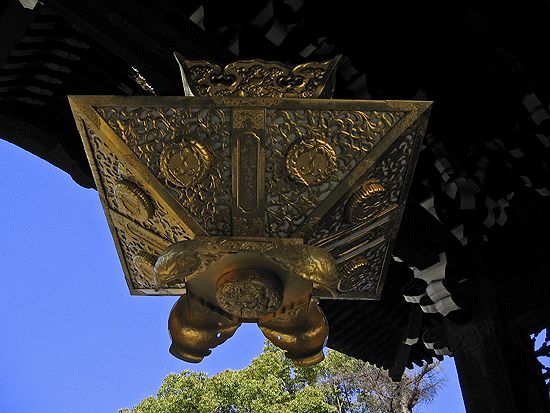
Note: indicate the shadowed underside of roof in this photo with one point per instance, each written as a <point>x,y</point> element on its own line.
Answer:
<point>481,191</point>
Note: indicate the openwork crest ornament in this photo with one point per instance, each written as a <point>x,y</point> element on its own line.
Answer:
<point>356,272</point>
<point>311,161</point>
<point>366,202</point>
<point>145,263</point>
<point>252,197</point>
<point>133,200</point>
<point>186,163</point>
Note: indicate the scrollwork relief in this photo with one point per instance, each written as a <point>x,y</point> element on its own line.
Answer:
<point>112,173</point>
<point>201,135</point>
<point>351,134</point>
<point>392,168</point>
<point>362,274</point>
<point>259,78</point>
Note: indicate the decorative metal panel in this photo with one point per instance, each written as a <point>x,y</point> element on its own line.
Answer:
<point>331,173</point>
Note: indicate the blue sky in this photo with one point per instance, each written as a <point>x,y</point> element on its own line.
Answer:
<point>71,337</point>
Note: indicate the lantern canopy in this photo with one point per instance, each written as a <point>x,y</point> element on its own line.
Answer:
<point>252,197</point>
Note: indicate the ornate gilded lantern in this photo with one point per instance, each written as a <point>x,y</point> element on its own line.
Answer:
<point>252,197</point>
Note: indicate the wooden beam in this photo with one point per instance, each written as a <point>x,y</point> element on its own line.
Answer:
<point>14,19</point>
<point>496,363</point>
<point>410,337</point>
<point>143,36</point>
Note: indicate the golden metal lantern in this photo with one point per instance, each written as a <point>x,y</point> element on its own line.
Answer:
<point>252,198</point>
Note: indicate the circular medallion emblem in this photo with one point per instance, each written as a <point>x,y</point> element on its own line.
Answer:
<point>144,264</point>
<point>311,162</point>
<point>366,202</point>
<point>133,200</point>
<point>185,163</point>
<point>356,277</point>
<point>249,293</point>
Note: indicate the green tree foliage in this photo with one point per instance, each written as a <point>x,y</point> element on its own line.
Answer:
<point>271,384</point>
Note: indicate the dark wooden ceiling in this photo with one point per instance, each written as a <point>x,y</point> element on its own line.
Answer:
<point>484,170</point>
